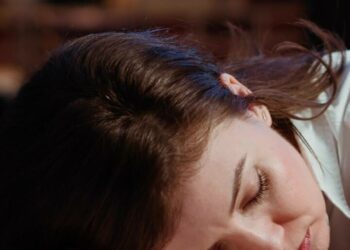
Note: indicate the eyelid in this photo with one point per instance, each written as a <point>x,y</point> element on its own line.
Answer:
<point>264,186</point>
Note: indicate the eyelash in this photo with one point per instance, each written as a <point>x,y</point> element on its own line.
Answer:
<point>264,186</point>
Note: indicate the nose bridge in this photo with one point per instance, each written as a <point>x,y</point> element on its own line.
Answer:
<point>256,233</point>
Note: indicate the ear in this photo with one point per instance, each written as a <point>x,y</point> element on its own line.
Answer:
<point>260,112</point>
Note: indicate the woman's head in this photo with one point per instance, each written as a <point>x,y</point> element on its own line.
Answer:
<point>252,190</point>
<point>100,141</point>
<point>106,145</point>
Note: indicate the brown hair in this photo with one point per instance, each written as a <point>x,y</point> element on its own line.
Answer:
<point>97,145</point>
<point>289,78</point>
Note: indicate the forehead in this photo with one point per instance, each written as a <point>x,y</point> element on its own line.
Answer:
<point>207,197</point>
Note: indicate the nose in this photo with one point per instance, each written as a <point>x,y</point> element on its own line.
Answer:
<point>260,236</point>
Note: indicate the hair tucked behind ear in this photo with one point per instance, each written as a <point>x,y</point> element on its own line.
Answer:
<point>290,77</point>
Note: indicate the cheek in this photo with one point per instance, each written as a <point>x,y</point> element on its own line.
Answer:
<point>295,184</point>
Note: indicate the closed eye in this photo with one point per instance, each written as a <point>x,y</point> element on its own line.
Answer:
<point>264,186</point>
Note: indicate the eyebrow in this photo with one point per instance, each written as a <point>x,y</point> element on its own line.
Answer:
<point>237,179</point>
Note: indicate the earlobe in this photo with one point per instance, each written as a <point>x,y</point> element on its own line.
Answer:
<point>260,112</point>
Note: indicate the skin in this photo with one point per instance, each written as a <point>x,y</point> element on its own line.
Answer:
<point>291,204</point>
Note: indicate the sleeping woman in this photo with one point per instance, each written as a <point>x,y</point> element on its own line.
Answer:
<point>136,141</point>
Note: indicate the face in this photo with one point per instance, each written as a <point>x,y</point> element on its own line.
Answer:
<point>253,190</point>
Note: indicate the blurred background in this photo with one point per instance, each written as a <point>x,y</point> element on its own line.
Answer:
<point>30,29</point>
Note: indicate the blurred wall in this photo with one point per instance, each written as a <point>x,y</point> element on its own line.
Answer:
<point>30,29</point>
